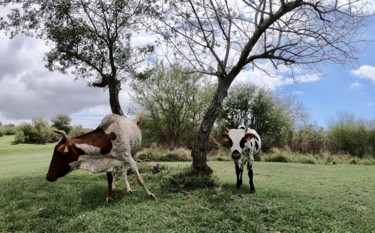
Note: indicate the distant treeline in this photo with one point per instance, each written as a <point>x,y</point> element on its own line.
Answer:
<point>40,131</point>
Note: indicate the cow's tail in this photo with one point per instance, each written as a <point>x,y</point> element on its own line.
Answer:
<point>139,118</point>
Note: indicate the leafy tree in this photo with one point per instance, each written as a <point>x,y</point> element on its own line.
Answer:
<point>175,99</point>
<point>9,129</point>
<point>87,38</point>
<point>270,120</point>
<point>78,130</point>
<point>221,38</point>
<point>309,139</point>
<point>349,135</point>
<point>236,109</point>
<point>62,122</point>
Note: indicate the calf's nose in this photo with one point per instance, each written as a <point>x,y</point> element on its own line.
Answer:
<point>236,155</point>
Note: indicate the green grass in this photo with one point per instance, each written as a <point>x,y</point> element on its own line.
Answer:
<point>289,198</point>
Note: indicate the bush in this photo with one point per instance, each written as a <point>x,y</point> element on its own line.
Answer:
<point>78,131</point>
<point>277,158</point>
<point>38,132</point>
<point>189,180</point>
<point>158,154</point>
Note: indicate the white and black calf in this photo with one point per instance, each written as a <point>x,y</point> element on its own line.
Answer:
<point>245,143</point>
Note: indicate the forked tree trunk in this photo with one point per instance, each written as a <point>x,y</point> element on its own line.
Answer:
<point>199,152</point>
<point>114,87</point>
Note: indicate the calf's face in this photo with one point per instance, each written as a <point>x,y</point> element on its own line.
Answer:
<point>63,155</point>
<point>237,139</point>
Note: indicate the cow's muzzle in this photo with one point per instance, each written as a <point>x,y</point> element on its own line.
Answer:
<point>50,179</point>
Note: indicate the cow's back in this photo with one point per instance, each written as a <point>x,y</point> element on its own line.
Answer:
<point>128,135</point>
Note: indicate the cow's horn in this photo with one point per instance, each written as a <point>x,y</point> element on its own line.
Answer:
<point>61,132</point>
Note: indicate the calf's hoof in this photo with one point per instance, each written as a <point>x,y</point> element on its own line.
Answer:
<point>109,199</point>
<point>239,183</point>
<point>252,191</point>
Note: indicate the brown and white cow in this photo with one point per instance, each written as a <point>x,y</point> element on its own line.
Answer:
<point>245,143</point>
<point>113,144</point>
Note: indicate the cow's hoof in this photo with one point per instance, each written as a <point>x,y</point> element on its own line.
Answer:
<point>252,191</point>
<point>129,191</point>
<point>109,199</point>
<point>152,197</point>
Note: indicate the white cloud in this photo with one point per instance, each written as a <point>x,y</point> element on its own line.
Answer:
<point>356,85</point>
<point>277,78</point>
<point>365,71</point>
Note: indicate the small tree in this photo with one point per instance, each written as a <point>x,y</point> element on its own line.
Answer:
<point>175,99</point>
<point>270,120</point>
<point>349,135</point>
<point>236,109</point>
<point>62,122</point>
<point>309,139</point>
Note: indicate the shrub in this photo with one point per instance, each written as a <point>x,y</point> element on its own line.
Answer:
<point>189,180</point>
<point>158,154</point>
<point>277,158</point>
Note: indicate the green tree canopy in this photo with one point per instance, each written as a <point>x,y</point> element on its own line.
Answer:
<point>175,99</point>
<point>62,122</point>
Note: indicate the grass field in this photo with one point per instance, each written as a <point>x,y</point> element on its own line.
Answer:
<point>289,198</point>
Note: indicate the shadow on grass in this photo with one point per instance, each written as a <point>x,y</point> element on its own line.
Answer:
<point>76,203</point>
<point>33,204</point>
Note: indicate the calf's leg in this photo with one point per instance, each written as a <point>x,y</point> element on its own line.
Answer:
<point>239,171</point>
<point>250,173</point>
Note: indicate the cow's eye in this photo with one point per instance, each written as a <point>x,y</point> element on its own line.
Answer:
<point>228,144</point>
<point>242,142</point>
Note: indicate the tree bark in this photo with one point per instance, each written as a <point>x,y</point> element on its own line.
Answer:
<point>199,152</point>
<point>114,87</point>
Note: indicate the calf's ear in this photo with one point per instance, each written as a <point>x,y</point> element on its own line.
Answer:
<point>249,136</point>
<point>225,137</point>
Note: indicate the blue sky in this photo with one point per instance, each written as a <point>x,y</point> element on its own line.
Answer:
<point>349,88</point>
<point>341,89</point>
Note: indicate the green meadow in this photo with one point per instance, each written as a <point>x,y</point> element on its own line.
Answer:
<point>289,198</point>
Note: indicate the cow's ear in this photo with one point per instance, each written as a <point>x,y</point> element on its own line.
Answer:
<point>225,137</point>
<point>249,136</point>
<point>66,150</point>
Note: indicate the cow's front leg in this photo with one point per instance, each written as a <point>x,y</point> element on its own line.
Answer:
<point>239,170</point>
<point>109,179</point>
<point>250,173</point>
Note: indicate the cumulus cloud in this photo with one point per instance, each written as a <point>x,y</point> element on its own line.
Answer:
<point>356,85</point>
<point>277,78</point>
<point>366,72</point>
<point>27,89</point>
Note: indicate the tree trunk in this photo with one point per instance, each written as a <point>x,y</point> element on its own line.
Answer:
<point>199,152</point>
<point>114,87</point>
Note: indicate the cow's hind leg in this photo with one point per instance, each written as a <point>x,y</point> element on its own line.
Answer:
<point>125,174</point>
<point>109,179</point>
<point>133,165</point>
